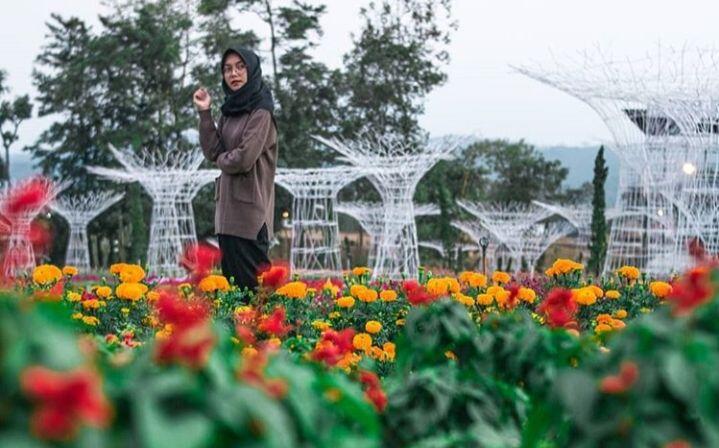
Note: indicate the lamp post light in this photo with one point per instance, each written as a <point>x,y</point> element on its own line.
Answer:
<point>483,243</point>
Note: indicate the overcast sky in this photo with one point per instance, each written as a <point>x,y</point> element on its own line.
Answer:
<point>482,94</point>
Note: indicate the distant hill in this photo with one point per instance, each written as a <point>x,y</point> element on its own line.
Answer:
<point>21,165</point>
<point>580,162</point>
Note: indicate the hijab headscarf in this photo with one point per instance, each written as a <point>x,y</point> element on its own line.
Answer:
<point>254,94</point>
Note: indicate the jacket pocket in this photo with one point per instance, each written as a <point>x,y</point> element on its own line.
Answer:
<point>217,188</point>
<point>243,188</point>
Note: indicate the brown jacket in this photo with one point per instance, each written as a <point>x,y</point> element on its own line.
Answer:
<point>244,148</point>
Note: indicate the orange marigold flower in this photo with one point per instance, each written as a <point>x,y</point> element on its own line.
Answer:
<point>628,272</point>
<point>612,294</point>
<point>345,302</point>
<point>388,295</point>
<point>660,289</point>
<point>46,274</point>
<point>485,299</point>
<point>293,290</point>
<point>362,341</point>
<point>69,271</point>
<point>527,294</point>
<point>501,277</point>
<point>360,271</point>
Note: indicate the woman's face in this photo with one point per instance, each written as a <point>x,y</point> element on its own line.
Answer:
<point>234,71</point>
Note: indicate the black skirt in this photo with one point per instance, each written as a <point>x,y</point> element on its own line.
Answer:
<point>242,258</point>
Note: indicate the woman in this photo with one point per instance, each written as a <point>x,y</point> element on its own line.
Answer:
<point>243,146</point>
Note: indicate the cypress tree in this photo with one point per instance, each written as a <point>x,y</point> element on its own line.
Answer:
<point>598,243</point>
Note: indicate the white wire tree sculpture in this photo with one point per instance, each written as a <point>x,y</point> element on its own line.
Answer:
<point>370,216</point>
<point>78,211</point>
<point>637,100</point>
<point>509,223</point>
<point>540,237</point>
<point>580,217</point>
<point>315,246</point>
<point>19,255</point>
<point>163,176</point>
<point>395,167</point>
<point>185,213</point>
<point>442,251</point>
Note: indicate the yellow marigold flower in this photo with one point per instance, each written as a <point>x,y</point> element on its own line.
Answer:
<point>399,322</point>
<point>76,316</point>
<point>628,272</point>
<point>91,304</point>
<point>389,350</point>
<point>602,328</point>
<point>584,296</point>
<point>598,292</point>
<point>473,279</point>
<point>321,325</point>
<point>449,354</point>
<point>335,314</point>
<point>492,290</point>
<point>373,327</point>
<point>527,294</point>
<point>46,274</point>
<point>500,277</point>
<point>73,297</point>
<point>612,294</point>
<point>276,342</point>
<point>345,302</point>
<point>213,283</point>
<point>388,295</point>
<point>563,266</point>
<point>620,314</point>
<point>331,288</point>
<point>367,295</point>
<point>103,291</point>
<point>485,299</point>
<point>660,289</point>
<point>90,320</point>
<point>249,352</point>
<point>70,271</point>
<point>360,271</point>
<point>152,296</point>
<point>130,291</point>
<point>132,273</point>
<point>362,341</point>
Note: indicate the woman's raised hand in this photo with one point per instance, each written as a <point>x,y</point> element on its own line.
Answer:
<point>201,99</point>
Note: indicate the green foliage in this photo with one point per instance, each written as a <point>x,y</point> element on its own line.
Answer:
<point>598,242</point>
<point>398,57</point>
<point>12,114</point>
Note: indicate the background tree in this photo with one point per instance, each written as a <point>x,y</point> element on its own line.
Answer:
<point>398,57</point>
<point>12,114</point>
<point>598,242</point>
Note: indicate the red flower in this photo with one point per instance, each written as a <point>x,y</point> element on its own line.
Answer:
<point>191,340</point>
<point>678,444</point>
<point>275,324</point>
<point>333,346</point>
<point>274,276</point>
<point>692,290</point>
<point>558,308</point>
<point>65,400</point>
<point>513,298</point>
<point>416,293</point>
<point>377,397</point>
<point>200,259</point>
<point>369,379</point>
<point>27,196</point>
<point>618,384</point>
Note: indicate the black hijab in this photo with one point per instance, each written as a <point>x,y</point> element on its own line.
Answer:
<point>254,94</point>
